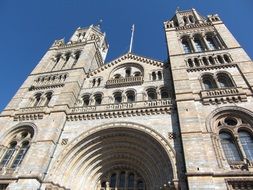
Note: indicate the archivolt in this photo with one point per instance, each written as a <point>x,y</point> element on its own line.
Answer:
<point>126,146</point>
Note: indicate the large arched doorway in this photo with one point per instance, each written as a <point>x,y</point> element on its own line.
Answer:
<point>122,158</point>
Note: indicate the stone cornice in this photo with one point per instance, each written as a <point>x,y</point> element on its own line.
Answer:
<point>211,67</point>
<point>194,26</point>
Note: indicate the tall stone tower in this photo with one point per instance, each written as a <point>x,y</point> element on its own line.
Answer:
<point>213,81</point>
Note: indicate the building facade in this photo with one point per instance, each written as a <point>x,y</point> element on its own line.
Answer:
<point>78,123</point>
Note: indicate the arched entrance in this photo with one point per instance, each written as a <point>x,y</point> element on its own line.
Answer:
<point>117,156</point>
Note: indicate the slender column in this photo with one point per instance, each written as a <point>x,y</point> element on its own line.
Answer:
<point>240,148</point>
<point>201,62</point>
<point>217,40</point>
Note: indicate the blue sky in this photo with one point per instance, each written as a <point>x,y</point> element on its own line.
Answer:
<point>29,27</point>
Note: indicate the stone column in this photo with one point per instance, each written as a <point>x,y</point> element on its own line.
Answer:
<point>192,44</point>
<point>205,42</point>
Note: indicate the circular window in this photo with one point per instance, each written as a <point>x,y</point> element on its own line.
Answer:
<point>230,121</point>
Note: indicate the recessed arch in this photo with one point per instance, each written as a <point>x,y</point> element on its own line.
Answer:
<point>96,152</point>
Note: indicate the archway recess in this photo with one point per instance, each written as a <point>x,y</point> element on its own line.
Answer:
<point>92,158</point>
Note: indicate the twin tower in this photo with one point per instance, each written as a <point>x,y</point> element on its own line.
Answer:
<point>78,123</point>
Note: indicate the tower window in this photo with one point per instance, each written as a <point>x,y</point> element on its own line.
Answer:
<point>224,80</point>
<point>229,147</point>
<point>205,61</point>
<point>151,94</point>
<point>37,99</point>
<point>98,99</point>
<point>117,97</point>
<point>208,82</point>
<point>8,154</point>
<point>153,76</point>
<point>210,43</point>
<point>190,63</point>
<point>164,93</point>
<point>48,98</point>
<point>113,181</point>
<point>191,19</point>
<point>198,44</point>
<point>196,62</point>
<point>86,100</point>
<point>130,96</point>
<point>227,59</point>
<point>247,143</point>
<point>211,60</point>
<point>186,46</point>
<point>159,73</point>
<point>220,59</point>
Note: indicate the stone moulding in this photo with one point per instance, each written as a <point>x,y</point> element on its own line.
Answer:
<point>120,113</point>
<point>223,95</point>
<point>41,87</point>
<point>194,26</point>
<point>211,67</point>
<point>27,117</point>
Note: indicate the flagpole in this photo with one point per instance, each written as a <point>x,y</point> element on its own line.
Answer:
<point>131,41</point>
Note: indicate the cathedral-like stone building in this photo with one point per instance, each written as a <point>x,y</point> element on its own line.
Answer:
<point>78,123</point>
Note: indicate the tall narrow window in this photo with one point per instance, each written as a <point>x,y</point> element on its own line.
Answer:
<point>186,46</point>
<point>247,144</point>
<point>153,76</point>
<point>113,181</point>
<point>205,61</point>
<point>122,179</point>
<point>210,43</point>
<point>224,80</point>
<point>37,99</point>
<point>140,185</point>
<point>190,63</point>
<point>220,59</point>
<point>211,60</point>
<point>198,45</point>
<point>48,98</point>
<point>131,180</point>
<point>159,75</point>
<point>77,56</point>
<point>67,56</point>
<point>229,147</point>
<point>99,81</point>
<point>196,62</point>
<point>8,154</point>
<point>227,59</point>
<point>21,154</point>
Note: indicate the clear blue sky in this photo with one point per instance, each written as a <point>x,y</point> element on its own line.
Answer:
<point>29,27</point>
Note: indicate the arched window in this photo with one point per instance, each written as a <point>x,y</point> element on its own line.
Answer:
<point>220,59</point>
<point>185,20</point>
<point>198,44</point>
<point>117,76</point>
<point>140,185</point>
<point>8,154</point>
<point>130,96</point>
<point>113,180</point>
<point>99,81</point>
<point>209,82</point>
<point>17,149</point>
<point>159,75</point>
<point>224,80</point>
<point>164,93</point>
<point>153,76</point>
<point>190,63</point>
<point>20,154</point>
<point>211,60</point>
<point>131,180</point>
<point>98,99</point>
<point>37,99</point>
<point>86,100</point>
<point>196,62</point>
<point>186,46</point>
<point>122,180</point>
<point>191,18</point>
<point>128,72</point>
<point>93,82</point>
<point>205,61</point>
<point>48,98</point>
<point>247,144</point>
<point>151,94</point>
<point>77,56</point>
<point>117,97</point>
<point>57,58</point>
<point>229,147</point>
<point>227,59</point>
<point>210,43</point>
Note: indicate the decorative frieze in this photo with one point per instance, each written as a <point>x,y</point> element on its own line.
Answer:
<point>211,67</point>
<point>223,95</point>
<point>27,117</point>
